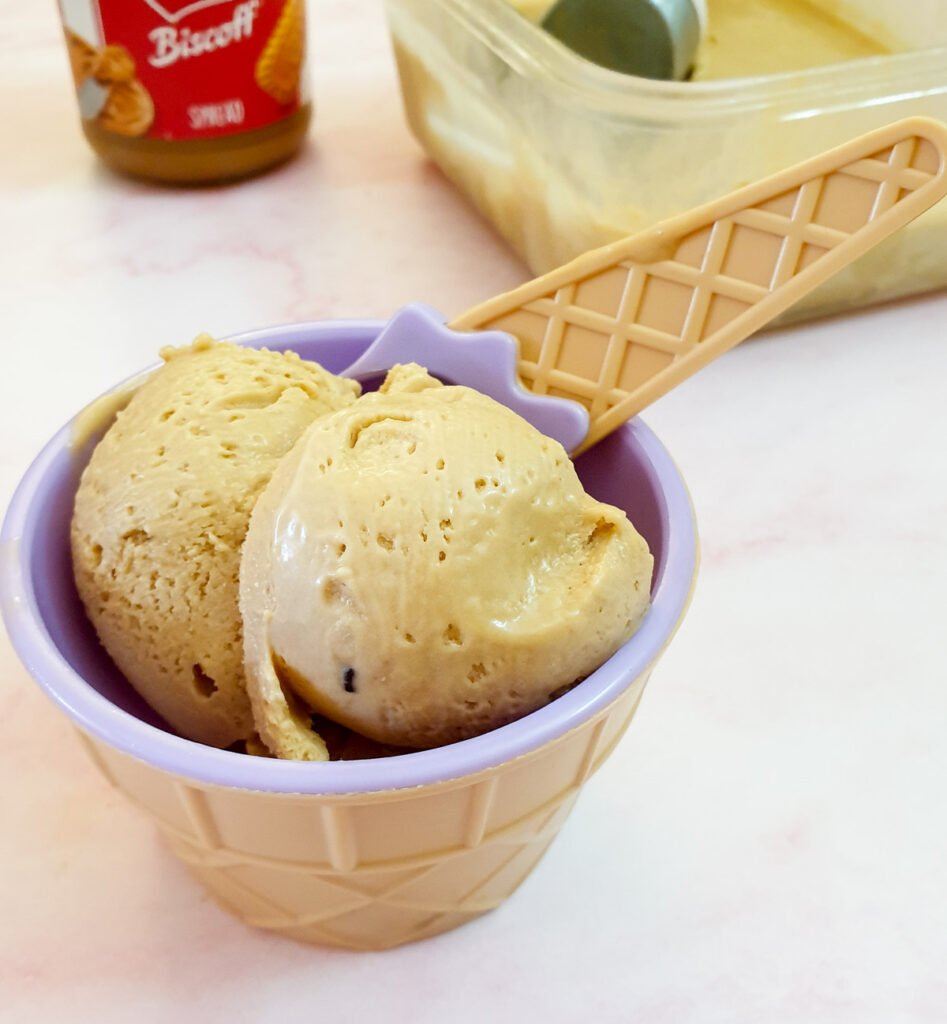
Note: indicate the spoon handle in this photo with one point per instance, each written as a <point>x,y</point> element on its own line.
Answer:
<point>621,325</point>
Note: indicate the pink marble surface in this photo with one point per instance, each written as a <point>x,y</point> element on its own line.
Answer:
<point>769,842</point>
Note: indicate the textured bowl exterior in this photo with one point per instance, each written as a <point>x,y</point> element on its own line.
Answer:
<point>372,870</point>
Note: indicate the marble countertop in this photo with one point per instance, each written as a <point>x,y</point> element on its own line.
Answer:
<point>768,842</point>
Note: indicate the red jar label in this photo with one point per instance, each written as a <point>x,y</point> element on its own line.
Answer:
<point>186,69</point>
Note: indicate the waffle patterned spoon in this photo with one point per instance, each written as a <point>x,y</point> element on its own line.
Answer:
<point>587,346</point>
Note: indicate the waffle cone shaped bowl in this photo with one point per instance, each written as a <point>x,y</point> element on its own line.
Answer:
<point>370,853</point>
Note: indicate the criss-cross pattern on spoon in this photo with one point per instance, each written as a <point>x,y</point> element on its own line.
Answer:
<point>587,346</point>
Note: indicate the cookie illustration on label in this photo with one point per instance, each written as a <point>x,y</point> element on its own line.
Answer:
<point>129,109</point>
<point>280,64</point>
<point>108,91</point>
<point>114,64</point>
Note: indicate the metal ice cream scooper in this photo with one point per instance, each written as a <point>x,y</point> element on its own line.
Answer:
<point>587,346</point>
<point>648,38</point>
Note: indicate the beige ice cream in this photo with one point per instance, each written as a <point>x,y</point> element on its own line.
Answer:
<point>161,513</point>
<point>424,566</point>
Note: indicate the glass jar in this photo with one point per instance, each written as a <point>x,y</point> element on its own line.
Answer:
<point>189,91</point>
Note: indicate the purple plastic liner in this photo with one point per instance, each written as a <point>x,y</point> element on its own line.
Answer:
<point>49,630</point>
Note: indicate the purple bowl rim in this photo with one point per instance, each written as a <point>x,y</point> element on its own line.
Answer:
<point>96,715</point>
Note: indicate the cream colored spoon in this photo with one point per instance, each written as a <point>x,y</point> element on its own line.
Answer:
<point>621,325</point>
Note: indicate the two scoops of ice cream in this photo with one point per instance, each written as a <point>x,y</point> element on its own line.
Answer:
<point>280,563</point>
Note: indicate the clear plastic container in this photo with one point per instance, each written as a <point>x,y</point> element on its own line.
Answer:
<point>563,156</point>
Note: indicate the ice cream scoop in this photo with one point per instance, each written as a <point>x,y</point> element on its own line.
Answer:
<point>425,566</point>
<point>649,38</point>
<point>621,325</point>
<point>160,516</point>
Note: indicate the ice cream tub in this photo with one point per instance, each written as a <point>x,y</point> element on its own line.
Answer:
<point>364,854</point>
<point>563,156</point>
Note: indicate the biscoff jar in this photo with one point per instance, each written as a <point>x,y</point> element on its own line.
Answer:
<point>189,91</point>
